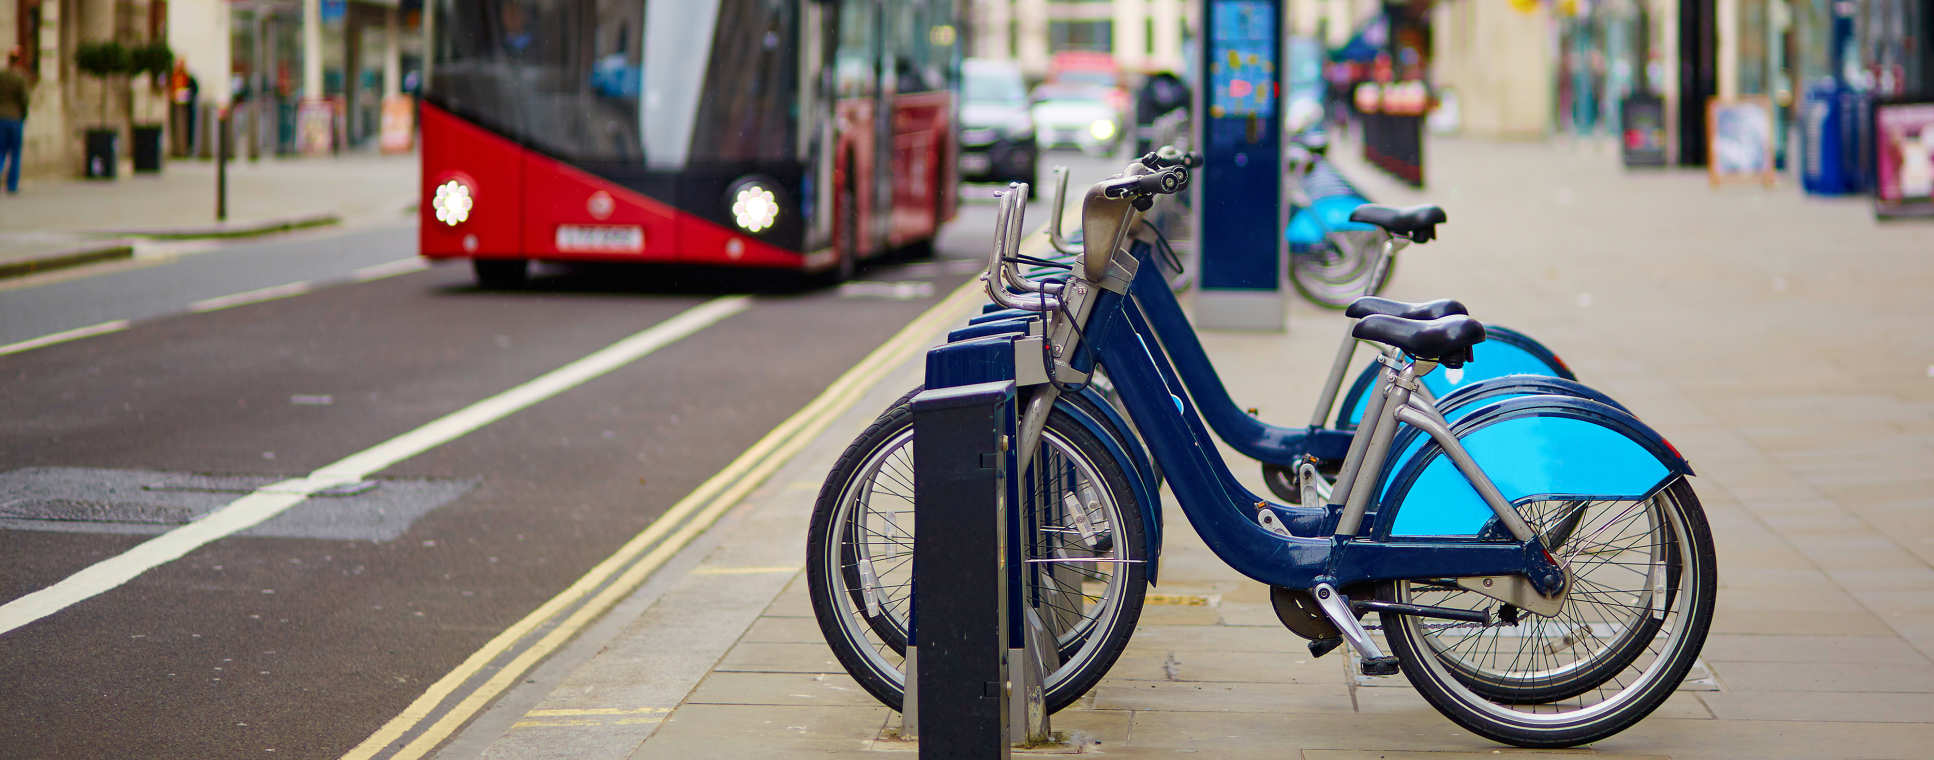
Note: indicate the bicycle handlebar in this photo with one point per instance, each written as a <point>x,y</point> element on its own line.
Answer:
<point>1159,182</point>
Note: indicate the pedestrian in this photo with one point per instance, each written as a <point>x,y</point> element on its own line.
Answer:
<point>13,117</point>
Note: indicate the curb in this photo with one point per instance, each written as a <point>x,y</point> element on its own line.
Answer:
<point>228,231</point>
<point>71,257</point>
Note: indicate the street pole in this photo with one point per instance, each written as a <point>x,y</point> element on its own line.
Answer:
<point>221,165</point>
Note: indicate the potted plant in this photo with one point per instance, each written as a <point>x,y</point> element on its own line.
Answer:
<point>103,61</point>
<point>156,60</point>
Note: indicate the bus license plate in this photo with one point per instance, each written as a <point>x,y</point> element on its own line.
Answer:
<point>975,163</point>
<point>587,238</point>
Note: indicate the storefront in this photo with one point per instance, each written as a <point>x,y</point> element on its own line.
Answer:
<point>1605,55</point>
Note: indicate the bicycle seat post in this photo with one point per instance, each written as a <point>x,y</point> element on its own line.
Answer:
<point>1391,245</point>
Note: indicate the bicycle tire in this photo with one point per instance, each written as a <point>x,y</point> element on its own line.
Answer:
<point>870,645</point>
<point>1669,638</point>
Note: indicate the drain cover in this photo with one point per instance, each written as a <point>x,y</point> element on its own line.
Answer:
<point>92,500</point>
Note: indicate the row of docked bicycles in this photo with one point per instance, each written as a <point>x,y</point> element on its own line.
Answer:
<point>1539,564</point>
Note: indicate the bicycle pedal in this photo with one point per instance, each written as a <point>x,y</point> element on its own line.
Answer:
<point>1380,666</point>
<point>1320,647</point>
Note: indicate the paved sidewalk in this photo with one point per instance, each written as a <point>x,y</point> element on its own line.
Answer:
<point>1780,342</point>
<point>65,222</point>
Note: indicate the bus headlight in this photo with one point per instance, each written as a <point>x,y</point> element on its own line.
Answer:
<point>452,202</point>
<point>755,206</point>
<point>1102,130</point>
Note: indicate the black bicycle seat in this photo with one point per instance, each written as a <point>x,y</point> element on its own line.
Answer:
<point>1369,305</point>
<point>1418,223</point>
<point>1446,340</point>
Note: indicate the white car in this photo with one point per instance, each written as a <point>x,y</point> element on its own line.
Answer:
<point>1076,118</point>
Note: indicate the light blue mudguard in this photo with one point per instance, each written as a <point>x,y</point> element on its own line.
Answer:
<point>1533,448</point>
<point>1307,226</point>
<point>1473,397</point>
<point>1504,352</point>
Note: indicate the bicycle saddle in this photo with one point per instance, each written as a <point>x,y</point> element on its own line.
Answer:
<point>1369,305</point>
<point>1418,223</point>
<point>1446,340</point>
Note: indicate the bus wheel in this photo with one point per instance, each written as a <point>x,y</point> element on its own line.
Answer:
<point>501,274</point>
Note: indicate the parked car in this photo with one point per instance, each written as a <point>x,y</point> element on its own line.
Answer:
<point>1076,116</point>
<point>997,132</point>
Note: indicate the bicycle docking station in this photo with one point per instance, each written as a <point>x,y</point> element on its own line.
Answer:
<point>977,654</point>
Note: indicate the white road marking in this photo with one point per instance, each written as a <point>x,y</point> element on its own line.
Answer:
<point>64,336</point>
<point>250,296</point>
<point>391,269</point>
<point>273,499</point>
<point>905,290</point>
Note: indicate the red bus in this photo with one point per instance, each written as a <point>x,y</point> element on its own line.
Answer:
<point>757,133</point>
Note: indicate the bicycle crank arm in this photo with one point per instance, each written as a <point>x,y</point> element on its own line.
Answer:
<point>1337,608</point>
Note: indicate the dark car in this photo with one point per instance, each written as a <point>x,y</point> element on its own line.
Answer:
<point>996,130</point>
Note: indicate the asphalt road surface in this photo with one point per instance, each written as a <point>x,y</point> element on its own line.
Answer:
<point>300,635</point>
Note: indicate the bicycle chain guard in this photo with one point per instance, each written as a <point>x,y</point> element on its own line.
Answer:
<point>1298,611</point>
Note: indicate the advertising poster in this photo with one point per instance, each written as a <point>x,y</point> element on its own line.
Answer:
<point>1740,133</point>
<point>1904,158</point>
<point>398,133</point>
<point>315,126</point>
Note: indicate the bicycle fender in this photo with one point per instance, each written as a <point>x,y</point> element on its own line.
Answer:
<point>1504,352</point>
<point>1307,226</point>
<point>1086,412</point>
<point>1532,448</point>
<point>1474,397</point>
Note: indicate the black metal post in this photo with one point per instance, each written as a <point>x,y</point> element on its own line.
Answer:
<point>957,656</point>
<point>221,166</point>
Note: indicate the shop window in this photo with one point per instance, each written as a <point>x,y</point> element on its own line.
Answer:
<point>28,39</point>
<point>158,20</point>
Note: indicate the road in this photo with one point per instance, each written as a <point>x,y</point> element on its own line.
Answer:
<point>301,635</point>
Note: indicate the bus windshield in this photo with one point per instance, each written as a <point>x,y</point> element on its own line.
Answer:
<point>662,83</point>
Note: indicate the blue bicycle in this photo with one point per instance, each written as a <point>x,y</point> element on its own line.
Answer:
<point>1542,568</point>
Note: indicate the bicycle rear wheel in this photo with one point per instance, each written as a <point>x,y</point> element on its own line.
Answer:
<point>1087,524</point>
<point>1640,604</point>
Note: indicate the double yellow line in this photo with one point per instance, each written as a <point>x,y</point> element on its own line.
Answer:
<point>621,573</point>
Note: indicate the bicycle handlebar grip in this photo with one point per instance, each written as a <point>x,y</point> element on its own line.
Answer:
<point>1167,156</point>
<point>1164,182</point>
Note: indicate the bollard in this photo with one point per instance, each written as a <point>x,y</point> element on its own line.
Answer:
<point>221,166</point>
<point>957,648</point>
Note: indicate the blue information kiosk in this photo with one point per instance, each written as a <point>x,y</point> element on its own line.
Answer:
<point>1239,222</point>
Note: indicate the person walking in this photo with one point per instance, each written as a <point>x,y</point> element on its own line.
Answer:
<point>13,117</point>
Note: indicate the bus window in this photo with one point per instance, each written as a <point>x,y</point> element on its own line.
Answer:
<point>747,111</point>
<point>561,75</point>
<point>856,57</point>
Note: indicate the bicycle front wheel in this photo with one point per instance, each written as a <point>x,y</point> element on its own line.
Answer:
<point>1087,583</point>
<point>1632,624</point>
<point>1339,270</point>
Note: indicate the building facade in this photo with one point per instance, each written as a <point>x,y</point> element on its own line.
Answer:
<point>1143,35</point>
<point>64,102</point>
<point>248,55</point>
